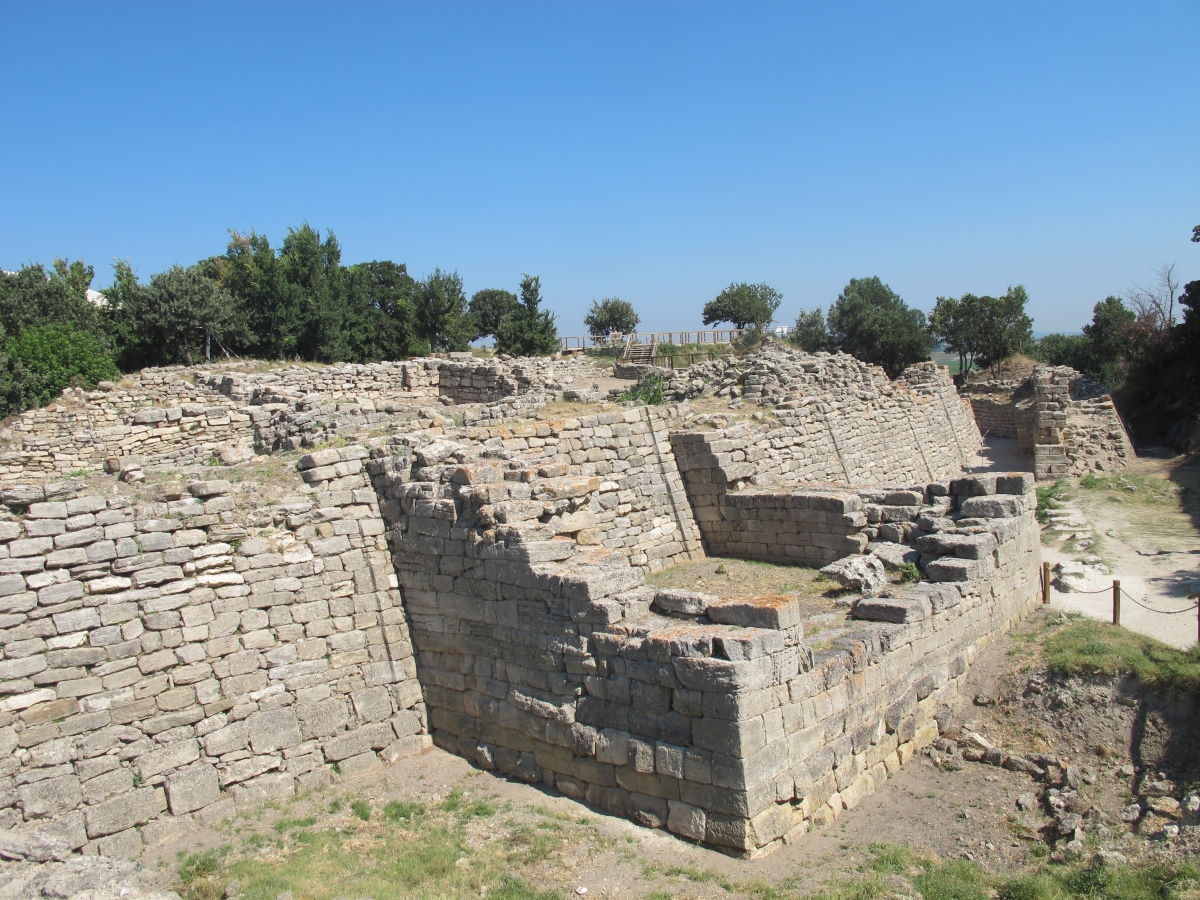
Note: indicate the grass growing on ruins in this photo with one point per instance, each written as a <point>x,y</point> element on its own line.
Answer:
<point>1047,497</point>
<point>457,847</point>
<point>1088,647</point>
<point>727,576</point>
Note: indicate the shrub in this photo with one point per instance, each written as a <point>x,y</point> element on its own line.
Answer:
<point>44,359</point>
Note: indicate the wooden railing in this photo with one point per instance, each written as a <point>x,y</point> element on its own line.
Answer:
<point>709,337</point>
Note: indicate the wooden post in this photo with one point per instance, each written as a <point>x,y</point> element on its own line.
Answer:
<point>1116,602</point>
<point>1045,583</point>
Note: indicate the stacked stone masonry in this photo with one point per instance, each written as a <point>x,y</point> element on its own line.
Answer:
<point>178,416</point>
<point>1064,420</point>
<point>184,655</point>
<point>707,716</point>
<point>172,653</point>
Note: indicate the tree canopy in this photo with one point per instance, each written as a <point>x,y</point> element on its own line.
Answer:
<point>612,314</point>
<point>175,318</point>
<point>488,308</point>
<point>983,330</point>
<point>870,321</point>
<point>442,318</point>
<point>528,330</point>
<point>382,315</point>
<point>743,305</point>
<point>810,333</point>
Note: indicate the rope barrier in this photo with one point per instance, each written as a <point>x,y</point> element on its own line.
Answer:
<point>1165,612</point>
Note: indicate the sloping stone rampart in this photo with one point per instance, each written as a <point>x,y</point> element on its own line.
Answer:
<point>557,665</point>
<point>183,655</point>
<point>168,657</point>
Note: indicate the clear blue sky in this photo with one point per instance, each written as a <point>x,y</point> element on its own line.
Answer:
<point>654,151</point>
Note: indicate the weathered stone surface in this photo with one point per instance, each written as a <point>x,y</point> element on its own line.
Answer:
<point>858,573</point>
<point>191,789</point>
<point>120,813</point>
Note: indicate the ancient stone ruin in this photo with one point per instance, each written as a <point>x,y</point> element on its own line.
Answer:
<point>1065,421</point>
<point>454,561</point>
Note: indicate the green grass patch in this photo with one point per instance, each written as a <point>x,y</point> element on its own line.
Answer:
<point>1087,647</point>
<point>1047,497</point>
<point>286,824</point>
<point>403,810</point>
<point>410,850</point>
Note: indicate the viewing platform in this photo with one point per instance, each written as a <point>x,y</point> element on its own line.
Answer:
<point>709,337</point>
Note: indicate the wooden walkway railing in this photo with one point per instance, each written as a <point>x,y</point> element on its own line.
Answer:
<point>708,337</point>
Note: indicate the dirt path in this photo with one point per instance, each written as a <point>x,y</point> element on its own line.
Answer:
<point>1152,549</point>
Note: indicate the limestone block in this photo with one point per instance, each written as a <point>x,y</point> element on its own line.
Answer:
<point>50,796</point>
<point>899,609</point>
<point>126,811</point>
<point>372,704</point>
<point>191,789</point>
<point>951,569</point>
<point>226,739</point>
<point>375,736</point>
<point>172,756</point>
<point>763,611</point>
<point>995,507</point>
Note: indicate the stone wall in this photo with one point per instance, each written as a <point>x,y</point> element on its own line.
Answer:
<point>175,416</point>
<point>1064,420</point>
<point>183,654</point>
<point>173,648</point>
<point>711,717</point>
<point>90,435</point>
<point>996,407</point>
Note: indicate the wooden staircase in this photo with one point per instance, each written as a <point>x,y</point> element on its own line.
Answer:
<point>638,353</point>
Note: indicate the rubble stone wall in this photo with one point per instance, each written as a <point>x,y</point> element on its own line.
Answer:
<point>177,415</point>
<point>91,435</point>
<point>995,408</point>
<point>184,655</point>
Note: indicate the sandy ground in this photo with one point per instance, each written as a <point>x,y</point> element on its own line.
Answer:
<point>1157,572</point>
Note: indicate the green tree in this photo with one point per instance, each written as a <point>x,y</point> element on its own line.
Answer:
<point>956,322</point>
<point>253,275</point>
<point>871,321</point>
<point>40,360</point>
<point>611,315</point>
<point>983,330</point>
<point>442,319</point>
<point>1072,350</point>
<point>488,308</point>
<point>528,331</point>
<point>382,321</point>
<point>312,276</point>
<point>1004,327</point>
<point>810,333</point>
<point>179,317</point>
<point>743,305</point>
<point>33,296</point>
<point>1109,339</point>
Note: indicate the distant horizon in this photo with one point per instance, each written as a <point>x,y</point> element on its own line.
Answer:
<point>652,152</point>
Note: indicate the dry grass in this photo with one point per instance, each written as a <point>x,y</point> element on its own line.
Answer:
<point>1162,510</point>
